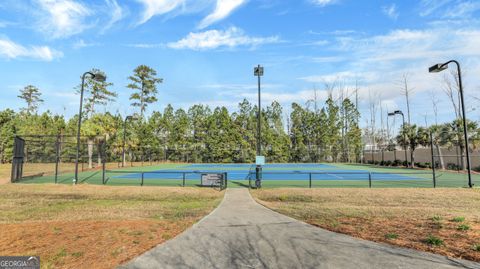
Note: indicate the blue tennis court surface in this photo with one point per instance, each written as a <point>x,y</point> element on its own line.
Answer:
<point>291,172</point>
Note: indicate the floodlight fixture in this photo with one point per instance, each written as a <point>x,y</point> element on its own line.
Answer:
<point>100,77</point>
<point>437,68</point>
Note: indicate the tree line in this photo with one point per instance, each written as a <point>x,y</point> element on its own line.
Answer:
<point>327,132</point>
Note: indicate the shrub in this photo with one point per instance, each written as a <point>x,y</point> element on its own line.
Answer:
<point>391,236</point>
<point>433,240</point>
<point>463,227</point>
<point>437,222</point>
<point>458,219</point>
<point>476,247</point>
<point>388,163</point>
<point>453,166</point>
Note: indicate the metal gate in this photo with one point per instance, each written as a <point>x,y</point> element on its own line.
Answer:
<point>18,156</point>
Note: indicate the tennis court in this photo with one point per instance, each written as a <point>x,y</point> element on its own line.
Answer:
<point>275,175</point>
<point>302,175</point>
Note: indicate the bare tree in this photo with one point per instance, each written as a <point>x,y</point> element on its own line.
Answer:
<point>407,92</point>
<point>451,89</point>
<point>373,100</point>
<point>435,101</point>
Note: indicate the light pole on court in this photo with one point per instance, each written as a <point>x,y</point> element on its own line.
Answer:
<point>259,160</point>
<point>399,112</point>
<point>439,68</point>
<point>100,78</point>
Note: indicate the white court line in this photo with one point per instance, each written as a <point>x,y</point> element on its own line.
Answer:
<point>339,177</point>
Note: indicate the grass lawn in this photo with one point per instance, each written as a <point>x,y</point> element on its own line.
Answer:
<point>444,221</point>
<point>89,226</point>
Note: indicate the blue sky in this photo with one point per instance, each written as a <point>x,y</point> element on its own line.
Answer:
<point>206,50</point>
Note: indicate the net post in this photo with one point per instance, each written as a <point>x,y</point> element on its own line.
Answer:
<point>433,161</point>
<point>57,157</point>
<point>310,180</point>
<point>370,179</point>
<point>225,180</point>
<point>183,181</point>
<point>141,184</point>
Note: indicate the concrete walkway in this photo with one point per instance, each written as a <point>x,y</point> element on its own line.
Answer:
<point>243,234</point>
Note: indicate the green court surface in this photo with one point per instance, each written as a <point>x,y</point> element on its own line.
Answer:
<point>274,176</point>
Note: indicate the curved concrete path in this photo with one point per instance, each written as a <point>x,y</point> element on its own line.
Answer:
<point>243,234</point>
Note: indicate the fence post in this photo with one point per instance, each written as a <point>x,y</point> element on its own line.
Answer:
<point>57,157</point>
<point>226,180</point>
<point>141,184</point>
<point>433,161</point>
<point>310,180</point>
<point>183,182</point>
<point>370,179</point>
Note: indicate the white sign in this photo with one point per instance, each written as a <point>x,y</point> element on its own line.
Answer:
<point>211,180</point>
<point>260,160</point>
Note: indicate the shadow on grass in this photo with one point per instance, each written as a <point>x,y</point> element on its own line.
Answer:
<point>239,184</point>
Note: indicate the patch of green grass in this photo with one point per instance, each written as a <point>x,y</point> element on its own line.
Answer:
<point>476,247</point>
<point>463,227</point>
<point>437,222</point>
<point>433,240</point>
<point>458,219</point>
<point>77,254</point>
<point>117,251</point>
<point>391,236</point>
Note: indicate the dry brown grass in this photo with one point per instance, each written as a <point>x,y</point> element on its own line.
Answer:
<point>403,217</point>
<point>88,226</point>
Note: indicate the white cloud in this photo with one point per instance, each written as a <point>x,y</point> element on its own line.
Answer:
<point>222,10</point>
<point>63,18</point>
<point>323,3</point>
<point>116,13</point>
<point>462,10</point>
<point>391,11</point>
<point>339,76</point>
<point>212,39</point>
<point>82,44</point>
<point>430,6</point>
<point>158,7</point>
<point>12,50</point>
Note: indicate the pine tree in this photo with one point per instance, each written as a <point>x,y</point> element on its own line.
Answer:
<point>96,93</point>
<point>31,95</point>
<point>144,83</point>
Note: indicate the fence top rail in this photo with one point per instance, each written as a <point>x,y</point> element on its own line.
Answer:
<point>266,172</point>
<point>346,173</point>
<point>166,172</point>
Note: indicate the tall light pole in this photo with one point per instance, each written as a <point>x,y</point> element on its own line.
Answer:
<point>100,78</point>
<point>399,112</point>
<point>439,68</point>
<point>258,72</point>
<point>125,136</point>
